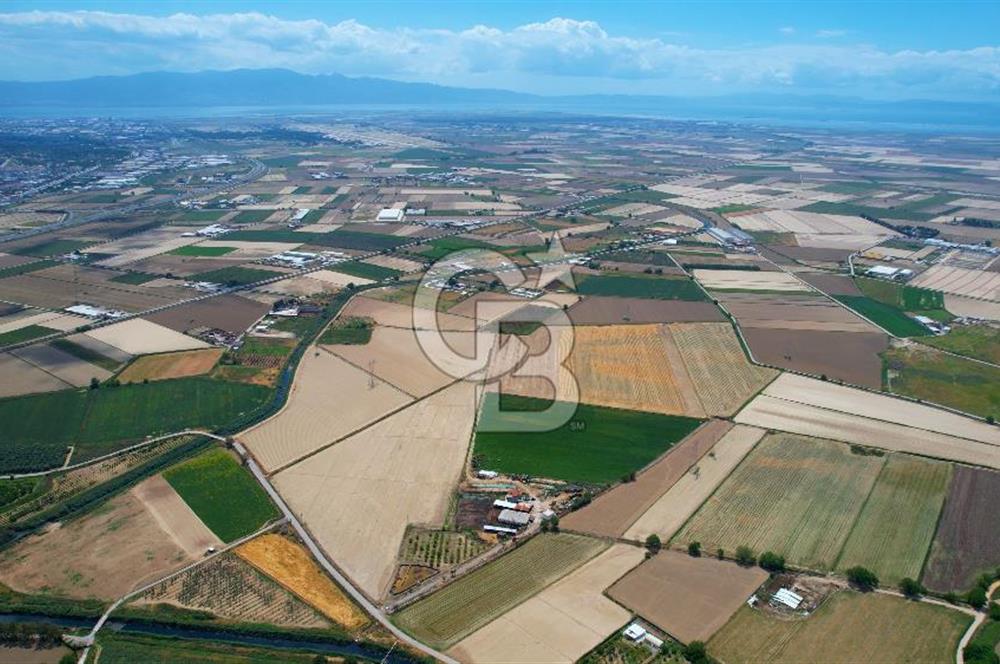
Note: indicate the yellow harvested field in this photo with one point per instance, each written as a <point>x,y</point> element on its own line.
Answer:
<point>808,223</point>
<point>171,365</point>
<point>772,413</point>
<point>50,319</point>
<point>140,337</point>
<point>339,278</point>
<point>175,517</point>
<point>330,398</point>
<point>978,284</point>
<point>395,356</point>
<point>721,373</point>
<point>813,392</point>
<point>293,568</point>
<point>368,488</point>
<point>749,280</point>
<point>683,499</point>
<point>560,624</point>
<point>395,262</point>
<point>300,286</point>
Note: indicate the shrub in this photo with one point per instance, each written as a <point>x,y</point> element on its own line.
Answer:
<point>772,562</point>
<point>862,578</point>
<point>979,652</point>
<point>745,556</point>
<point>653,544</point>
<point>976,598</point>
<point>696,653</point>
<point>911,588</point>
<point>994,611</point>
<point>720,553</point>
<point>694,549</point>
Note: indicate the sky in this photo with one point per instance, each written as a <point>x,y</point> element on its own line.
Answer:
<point>877,50</point>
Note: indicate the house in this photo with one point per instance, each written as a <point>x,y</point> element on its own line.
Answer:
<point>635,631</point>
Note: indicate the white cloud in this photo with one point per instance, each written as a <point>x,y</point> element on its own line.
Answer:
<point>831,34</point>
<point>559,55</point>
<point>787,30</point>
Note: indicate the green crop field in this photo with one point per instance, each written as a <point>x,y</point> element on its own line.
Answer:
<point>925,373</point>
<point>978,341</point>
<point>134,278</point>
<point>252,216</point>
<point>15,270</point>
<point>39,427</point>
<point>889,317</point>
<point>848,628</point>
<point>352,331</point>
<point>206,216</point>
<point>894,532</point>
<point>908,298</point>
<point>598,445</point>
<point>119,648</point>
<point>631,285</point>
<point>235,276</point>
<point>26,333</point>
<point>198,250</point>
<point>464,606</point>
<point>366,271</point>
<point>792,495</point>
<point>222,493</point>
<point>338,238</point>
<point>51,248</point>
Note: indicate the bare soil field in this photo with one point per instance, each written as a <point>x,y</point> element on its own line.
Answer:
<point>99,347</point>
<point>612,512</point>
<point>399,471</point>
<point>598,310</point>
<point>395,263</point>
<point>230,588</point>
<point>102,555</point>
<point>298,286</point>
<point>792,312</point>
<point>225,312</point>
<point>798,497</point>
<point>778,414</point>
<point>291,566</point>
<point>56,288</point>
<point>968,534</point>
<point>184,266</point>
<point>561,623</point>
<point>881,628</point>
<point>392,314</point>
<point>851,357</point>
<point>879,407</point>
<point>395,356</point>
<point>62,365</point>
<point>174,516</point>
<point>979,284</point>
<point>689,598</point>
<point>965,306</point>
<point>339,278</point>
<point>171,365</point>
<point>50,319</point>
<point>666,516</point>
<point>330,398</point>
<point>20,377</point>
<point>139,337</point>
<point>749,280</point>
<point>831,284</point>
<point>144,245</point>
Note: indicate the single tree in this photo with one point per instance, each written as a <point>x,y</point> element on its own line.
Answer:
<point>861,578</point>
<point>696,653</point>
<point>976,598</point>
<point>694,549</point>
<point>911,588</point>
<point>994,611</point>
<point>653,544</point>
<point>720,553</point>
<point>772,562</point>
<point>745,556</point>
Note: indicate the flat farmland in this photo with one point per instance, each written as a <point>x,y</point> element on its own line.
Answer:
<point>979,284</point>
<point>62,365</point>
<point>722,375</point>
<point>329,399</point>
<point>795,496</point>
<point>968,533</point>
<point>601,310</point>
<point>689,598</point>
<point>140,337</point>
<point>103,555</point>
<point>175,517</point>
<point>22,378</point>
<point>613,512</point>
<point>291,566</point>
<point>598,445</point>
<point>749,280</point>
<point>222,493</point>
<point>225,312</point>
<point>666,516</point>
<point>641,286</point>
<point>930,375</point>
<point>848,628</point>
<point>561,623</point>
<point>393,314</point>
<point>400,471</point>
<point>462,607</point>
<point>792,312</point>
<point>980,341</point>
<point>894,530</point>
<point>171,365</point>
<point>852,357</point>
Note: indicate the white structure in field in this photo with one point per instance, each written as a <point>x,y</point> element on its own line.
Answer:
<point>788,598</point>
<point>390,214</point>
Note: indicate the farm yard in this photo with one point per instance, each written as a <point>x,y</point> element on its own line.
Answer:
<point>965,543</point>
<point>791,495</point>
<point>689,598</point>
<point>613,512</point>
<point>598,446</point>
<point>882,628</point>
<point>562,622</point>
<point>489,592</point>
<point>371,472</point>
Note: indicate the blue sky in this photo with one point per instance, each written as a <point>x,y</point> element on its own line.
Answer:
<point>889,50</point>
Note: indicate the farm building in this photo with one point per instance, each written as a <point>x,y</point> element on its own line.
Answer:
<point>733,237</point>
<point>389,214</point>
<point>514,518</point>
